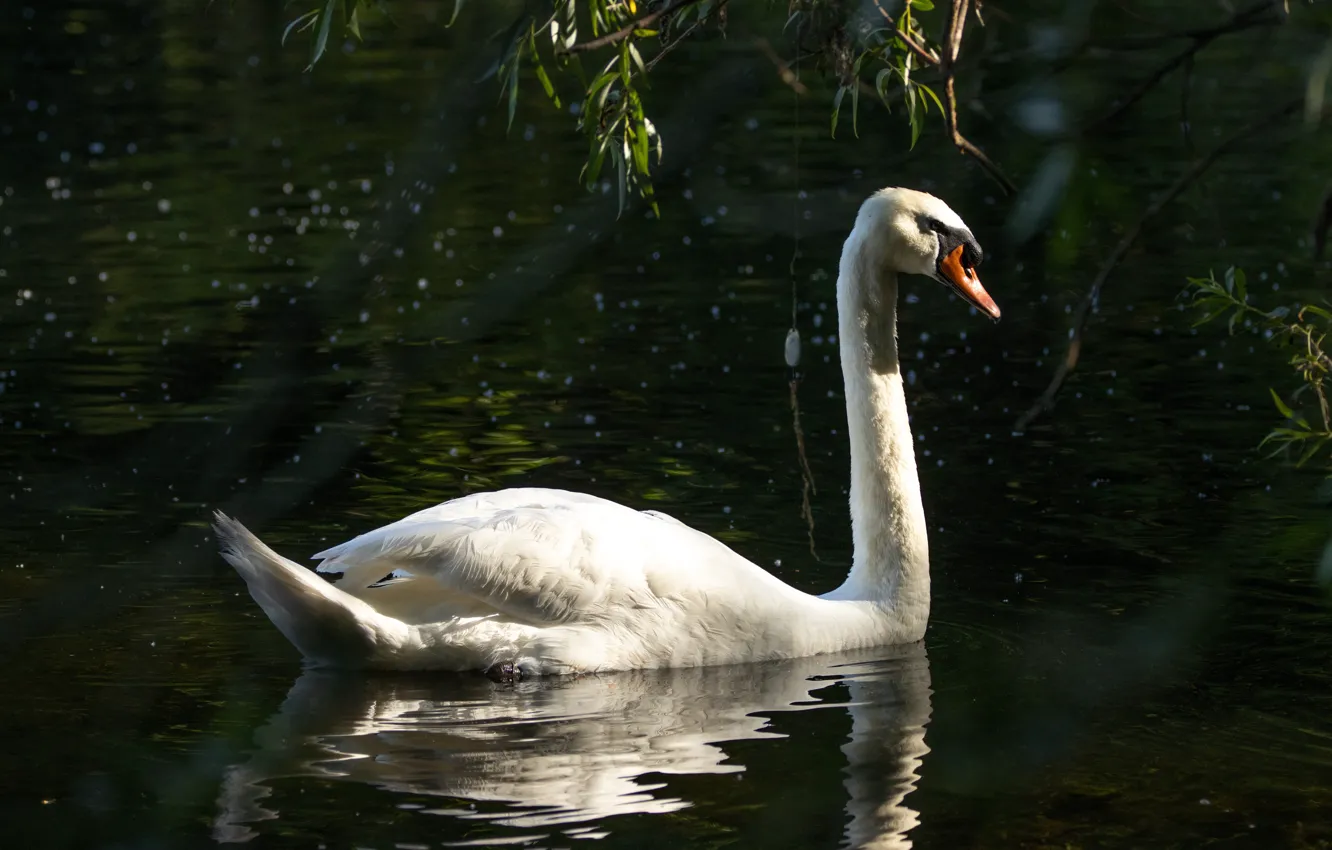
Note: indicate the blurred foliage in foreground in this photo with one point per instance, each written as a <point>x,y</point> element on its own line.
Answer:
<point>1301,329</point>
<point>855,43</point>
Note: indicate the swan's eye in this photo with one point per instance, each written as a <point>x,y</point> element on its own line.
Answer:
<point>928,224</point>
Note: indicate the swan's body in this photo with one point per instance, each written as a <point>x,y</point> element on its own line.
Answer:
<point>548,581</point>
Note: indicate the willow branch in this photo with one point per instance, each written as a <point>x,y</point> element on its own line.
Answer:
<point>957,24</point>
<point>1262,13</point>
<point>913,45</point>
<point>620,35</point>
<point>1092,298</point>
<point>783,66</point>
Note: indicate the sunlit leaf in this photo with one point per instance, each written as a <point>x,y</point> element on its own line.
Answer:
<point>881,81</point>
<point>855,109</point>
<point>546,84</point>
<point>837,108</point>
<point>934,97</point>
<point>354,21</point>
<point>303,22</point>
<point>457,7</point>
<point>622,169</point>
<point>1280,405</point>
<point>638,60</point>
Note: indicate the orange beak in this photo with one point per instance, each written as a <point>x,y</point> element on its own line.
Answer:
<point>964,281</point>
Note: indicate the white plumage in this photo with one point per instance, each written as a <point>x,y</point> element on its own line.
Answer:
<point>548,581</point>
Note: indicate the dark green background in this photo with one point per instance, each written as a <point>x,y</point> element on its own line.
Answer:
<point>322,301</point>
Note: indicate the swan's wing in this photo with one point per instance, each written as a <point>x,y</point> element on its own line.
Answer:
<point>546,557</point>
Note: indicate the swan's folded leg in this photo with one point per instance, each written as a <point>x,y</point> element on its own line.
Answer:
<point>327,625</point>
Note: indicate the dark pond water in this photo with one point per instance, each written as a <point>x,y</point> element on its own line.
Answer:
<point>322,301</point>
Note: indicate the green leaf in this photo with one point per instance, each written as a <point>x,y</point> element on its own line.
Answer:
<point>1281,405</point>
<point>922,5</point>
<point>540,69</point>
<point>1314,447</point>
<point>636,133</point>
<point>855,109</point>
<point>1212,315</point>
<point>457,7</point>
<point>595,158</point>
<point>321,36</point>
<point>837,108</point>
<point>1317,311</point>
<point>570,24</point>
<point>638,59</point>
<point>300,23</point>
<point>600,82</point>
<point>513,88</point>
<point>929,91</point>
<point>881,81</point>
<point>913,114</point>
<point>622,169</point>
<point>1241,285</point>
<point>354,21</point>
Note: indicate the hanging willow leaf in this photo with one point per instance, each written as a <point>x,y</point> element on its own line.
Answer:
<point>457,7</point>
<point>302,23</point>
<point>934,97</point>
<point>837,108</point>
<point>513,91</point>
<point>321,35</point>
<point>1281,405</point>
<point>595,158</point>
<point>354,20</point>
<point>546,84</point>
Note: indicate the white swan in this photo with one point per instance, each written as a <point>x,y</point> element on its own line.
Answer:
<point>530,582</point>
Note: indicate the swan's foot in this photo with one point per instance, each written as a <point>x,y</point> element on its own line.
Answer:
<point>505,672</point>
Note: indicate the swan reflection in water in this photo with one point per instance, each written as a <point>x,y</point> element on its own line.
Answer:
<point>556,753</point>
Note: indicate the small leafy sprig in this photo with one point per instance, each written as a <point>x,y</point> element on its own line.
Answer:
<point>1303,330</point>
<point>892,49</point>
<point>318,21</point>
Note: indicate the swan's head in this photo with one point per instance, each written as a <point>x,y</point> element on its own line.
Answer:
<point>920,234</point>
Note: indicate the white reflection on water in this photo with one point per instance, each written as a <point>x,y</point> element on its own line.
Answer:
<point>552,754</point>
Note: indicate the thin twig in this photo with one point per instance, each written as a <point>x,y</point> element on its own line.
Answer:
<point>1250,16</point>
<point>652,63</point>
<point>910,42</point>
<point>783,67</point>
<point>807,476</point>
<point>957,24</point>
<point>1092,298</point>
<point>620,35</point>
<point>957,21</point>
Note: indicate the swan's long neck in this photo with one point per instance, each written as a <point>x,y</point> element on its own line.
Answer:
<point>890,568</point>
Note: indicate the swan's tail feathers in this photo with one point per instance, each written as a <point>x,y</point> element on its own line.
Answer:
<point>329,626</point>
